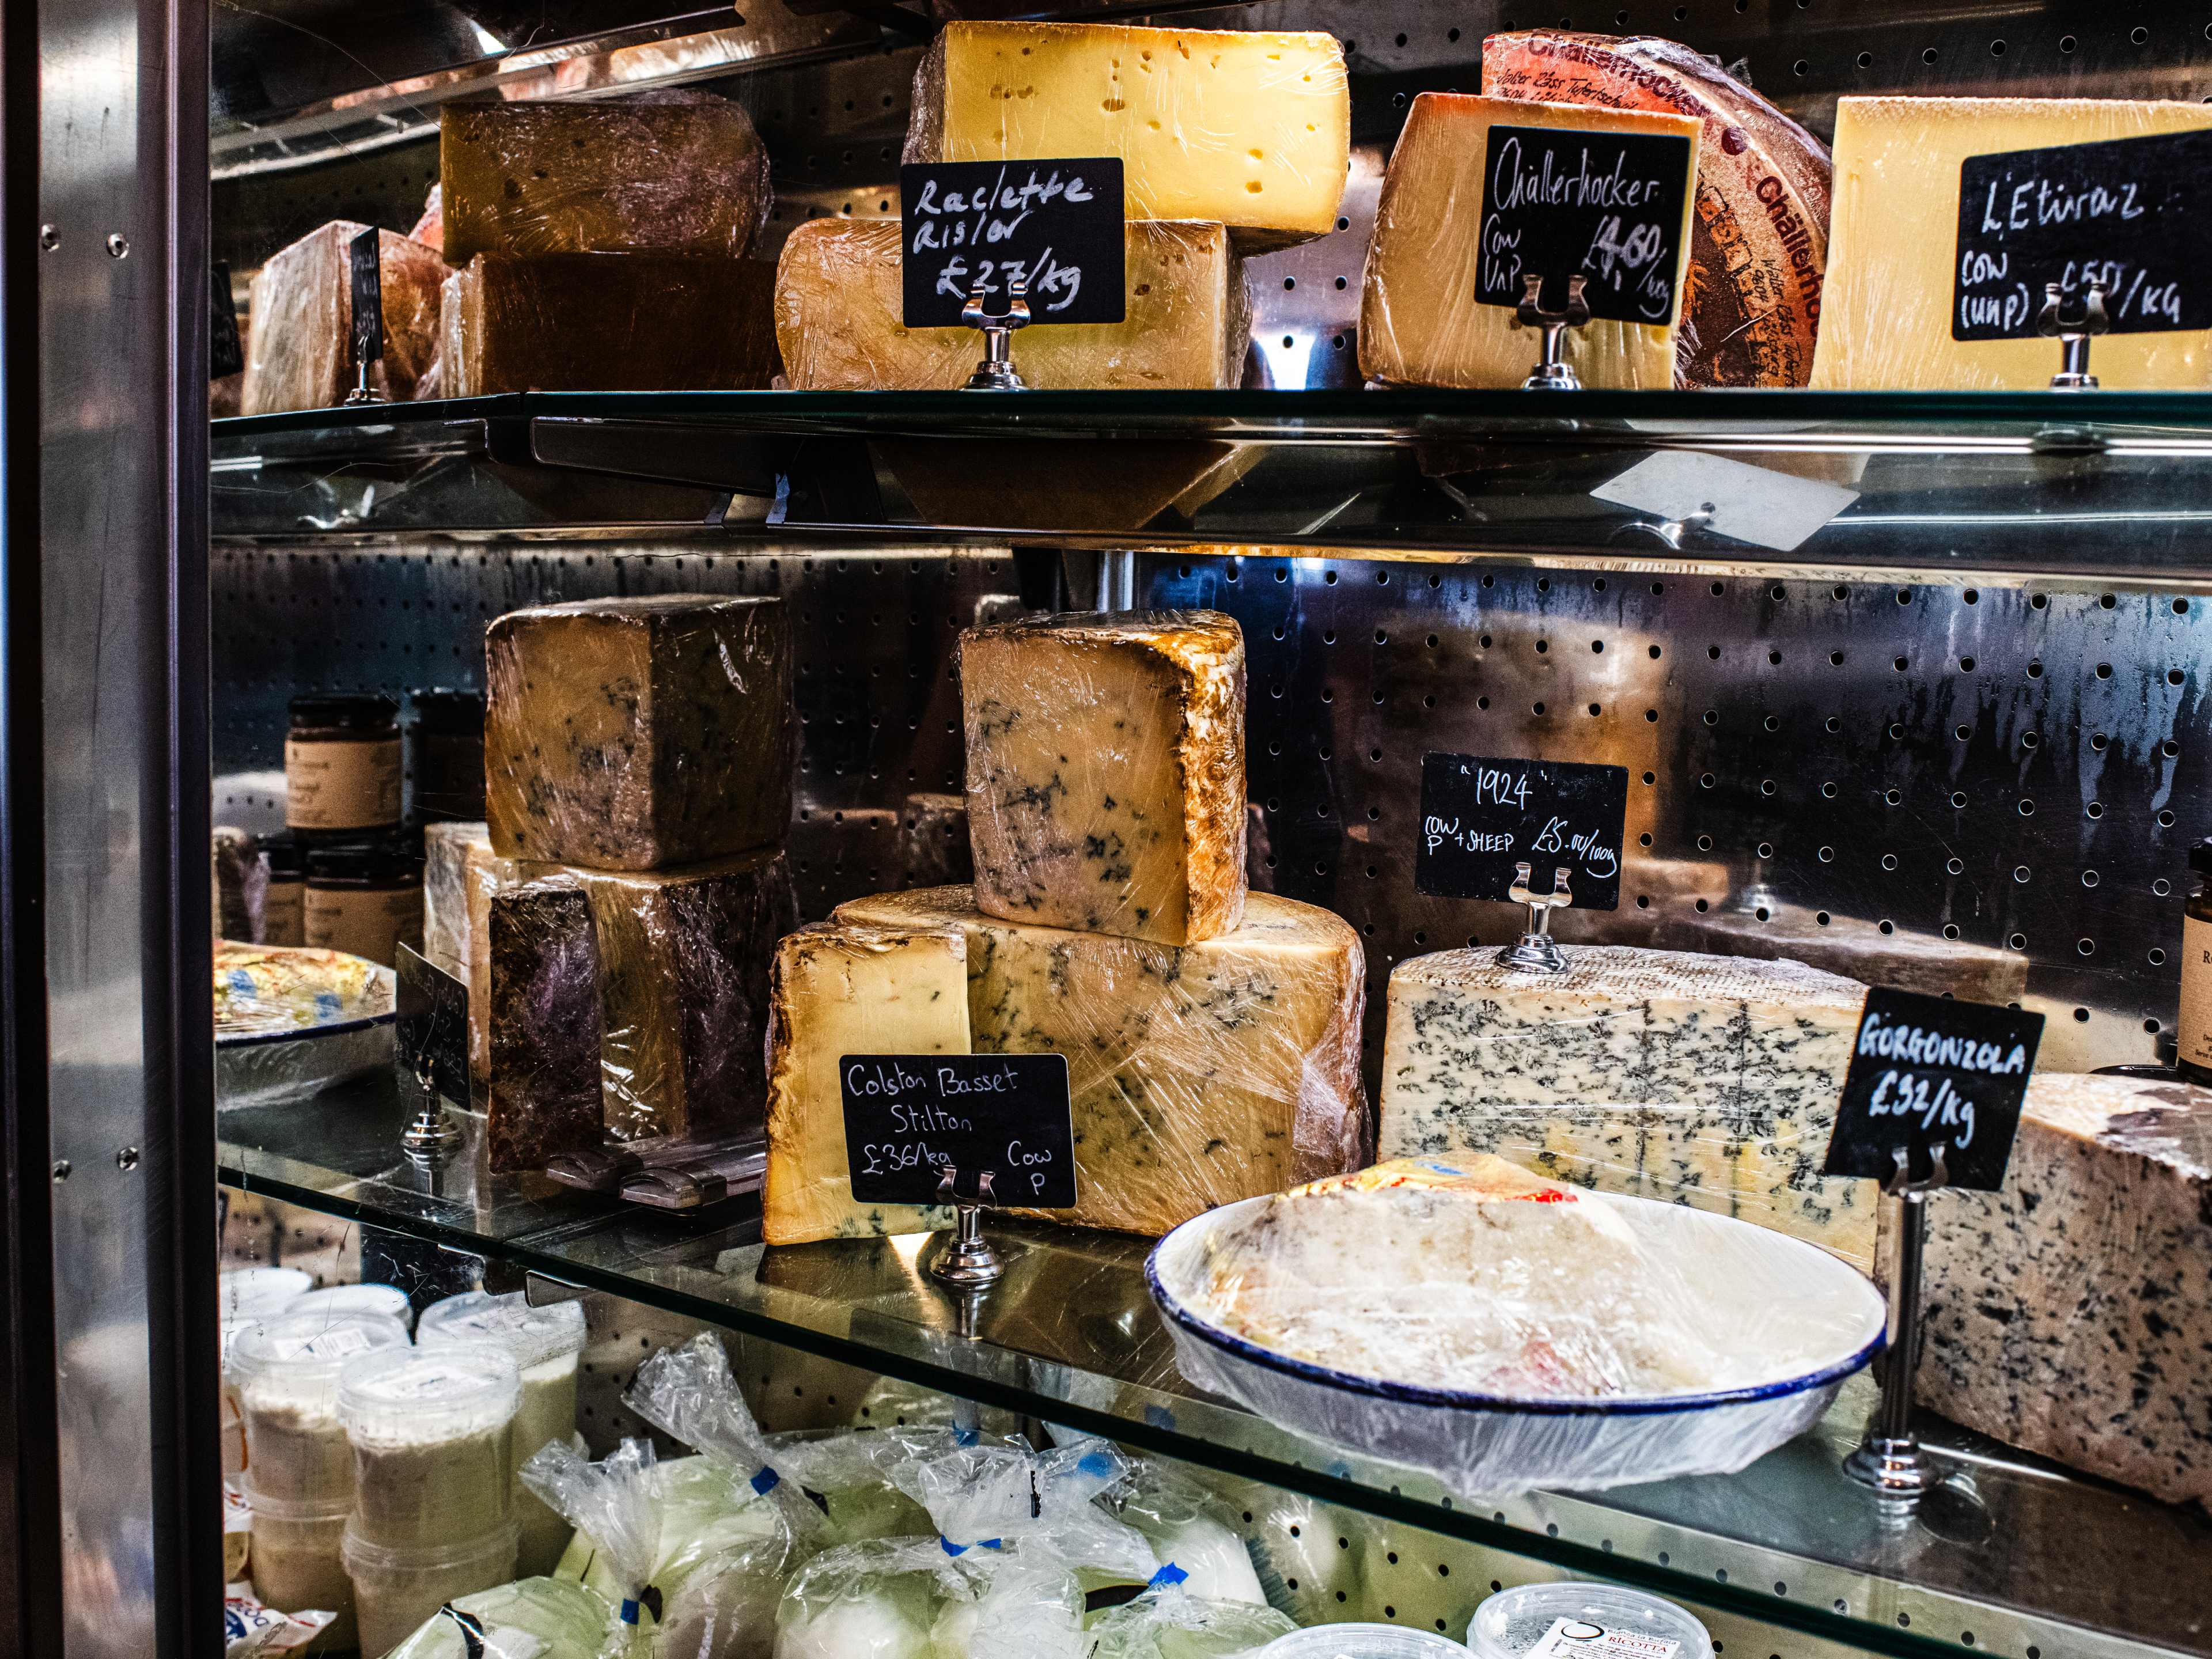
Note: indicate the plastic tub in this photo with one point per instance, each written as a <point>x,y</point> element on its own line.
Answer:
<point>1362,1642</point>
<point>1569,1622</point>
<point>394,1590</point>
<point>297,1563</point>
<point>386,1299</point>
<point>257,1293</point>
<point>545,1343</point>
<point>432,1432</point>
<point>286,1371</point>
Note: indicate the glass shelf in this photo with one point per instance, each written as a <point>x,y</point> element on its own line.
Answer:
<point>2013,1556</point>
<point>2112,484</point>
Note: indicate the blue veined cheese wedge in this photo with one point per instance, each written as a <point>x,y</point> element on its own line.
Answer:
<point>2070,1313</point>
<point>1706,1080</point>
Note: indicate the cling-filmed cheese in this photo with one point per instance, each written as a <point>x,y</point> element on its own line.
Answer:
<point>1251,128</point>
<point>1706,1080</point>
<point>1419,322</point>
<point>544,1023</point>
<point>1894,247</point>
<point>299,340</point>
<point>1106,772</point>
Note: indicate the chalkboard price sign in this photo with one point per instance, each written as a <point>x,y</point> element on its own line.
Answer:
<point>909,1115</point>
<point>1929,1070</point>
<point>1560,202</point>
<point>364,265</point>
<point>1480,818</point>
<point>2134,214</point>
<point>1053,225</point>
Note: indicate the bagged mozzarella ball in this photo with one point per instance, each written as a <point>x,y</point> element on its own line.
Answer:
<point>1190,1528</point>
<point>877,1599</point>
<point>545,1618</point>
<point>1042,1502</point>
<point>1293,1542</point>
<point>725,1608</point>
<point>614,1501</point>
<point>1168,1622</point>
<point>687,1392</point>
<point>852,1473</point>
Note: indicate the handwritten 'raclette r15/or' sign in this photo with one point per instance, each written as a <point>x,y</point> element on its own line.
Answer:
<point>972,228</point>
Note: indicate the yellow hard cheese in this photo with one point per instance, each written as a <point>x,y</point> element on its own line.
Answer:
<point>1419,322</point>
<point>1251,127</point>
<point>1893,246</point>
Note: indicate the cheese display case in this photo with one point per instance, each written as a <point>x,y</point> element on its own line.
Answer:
<point>1669,394</point>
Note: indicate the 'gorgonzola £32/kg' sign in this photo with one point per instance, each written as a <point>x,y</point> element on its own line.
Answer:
<point>976,227</point>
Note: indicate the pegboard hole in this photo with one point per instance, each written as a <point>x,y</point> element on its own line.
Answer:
<point>2081,1016</point>
<point>2018,941</point>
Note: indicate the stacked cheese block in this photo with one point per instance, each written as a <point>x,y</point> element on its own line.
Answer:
<point>623,902</point>
<point>1211,1037</point>
<point>300,321</point>
<point>1230,142</point>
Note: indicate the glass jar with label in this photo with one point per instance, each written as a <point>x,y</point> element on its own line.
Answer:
<point>364,900</point>
<point>342,765</point>
<point>283,919</point>
<point>449,764</point>
<point>2193,1038</point>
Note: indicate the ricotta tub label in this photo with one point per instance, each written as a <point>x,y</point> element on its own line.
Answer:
<point>1053,225</point>
<point>1578,1638</point>
<point>1481,816</point>
<point>1932,1071</point>
<point>1607,206</point>
<point>907,1116</point>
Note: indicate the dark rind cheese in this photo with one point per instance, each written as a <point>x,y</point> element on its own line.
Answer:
<point>544,1025</point>
<point>635,734</point>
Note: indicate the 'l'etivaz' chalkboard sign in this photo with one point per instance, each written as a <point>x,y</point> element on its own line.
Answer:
<point>1926,1070</point>
<point>1055,225</point>
<point>1480,817</point>
<point>364,256</point>
<point>1557,201</point>
<point>908,1116</point>
<point>2135,212</point>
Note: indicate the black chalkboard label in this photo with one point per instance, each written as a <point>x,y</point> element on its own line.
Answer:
<point>909,1115</point>
<point>1557,201</point>
<point>432,1034</point>
<point>1929,1070</point>
<point>2135,212</point>
<point>363,256</point>
<point>1481,816</point>
<point>1054,226</point>
<point>226,350</point>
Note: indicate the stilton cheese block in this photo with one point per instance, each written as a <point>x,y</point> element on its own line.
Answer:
<point>1198,1075</point>
<point>634,735</point>
<point>1707,1080</point>
<point>543,1024</point>
<point>842,988</point>
<point>2070,1313</point>
<point>1106,772</point>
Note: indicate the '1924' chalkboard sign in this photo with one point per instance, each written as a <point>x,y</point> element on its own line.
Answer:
<point>1053,225</point>
<point>1557,202</point>
<point>1480,818</point>
<point>2130,213</point>
<point>907,1116</point>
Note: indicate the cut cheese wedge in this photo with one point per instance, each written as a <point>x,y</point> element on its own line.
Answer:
<point>1252,128</point>
<point>1419,322</point>
<point>1893,246</point>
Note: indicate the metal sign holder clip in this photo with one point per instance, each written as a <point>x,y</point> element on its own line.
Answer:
<point>968,1262</point>
<point>1551,373</point>
<point>1891,1460</point>
<point>996,372</point>
<point>362,392</point>
<point>2073,331</point>
<point>1536,950</point>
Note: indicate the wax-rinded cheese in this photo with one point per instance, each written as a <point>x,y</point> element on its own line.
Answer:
<point>1106,772</point>
<point>669,174</point>
<point>633,734</point>
<point>1706,1080</point>
<point>1419,322</point>
<point>300,345</point>
<point>544,1025</point>
<point>1252,128</point>
<point>1200,1074</point>
<point>1893,246</point>
<point>607,322</point>
<point>842,988</point>
<point>1759,234</point>
<point>838,307</point>
<point>484,873</point>
<point>2070,1313</point>
<point>446,850</point>
<point>683,969</point>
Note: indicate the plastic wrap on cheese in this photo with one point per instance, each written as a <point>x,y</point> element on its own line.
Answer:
<point>1251,128</point>
<point>1894,247</point>
<point>668,172</point>
<point>446,850</point>
<point>544,1025</point>
<point>838,305</point>
<point>299,347</point>
<point>259,988</point>
<point>484,873</point>
<point>241,878</point>
<point>545,1618</point>
<point>1759,234</point>
<point>607,322</point>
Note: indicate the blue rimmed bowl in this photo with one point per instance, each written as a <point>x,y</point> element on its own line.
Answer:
<point>295,1062</point>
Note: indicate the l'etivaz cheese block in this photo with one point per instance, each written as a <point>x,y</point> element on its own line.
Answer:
<point>2070,1313</point>
<point>1419,322</point>
<point>1759,234</point>
<point>544,1025</point>
<point>1893,246</point>
<point>1199,1074</point>
<point>843,989</point>
<point>683,969</point>
<point>634,734</point>
<point>839,305</point>
<point>1706,1080</point>
<point>1106,772</point>
<point>1252,128</point>
<point>300,338</point>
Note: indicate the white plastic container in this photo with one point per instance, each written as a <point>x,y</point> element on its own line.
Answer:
<point>257,1293</point>
<point>386,1299</point>
<point>296,1565</point>
<point>1584,1621</point>
<point>545,1343</point>
<point>286,1371</point>
<point>395,1590</point>
<point>431,1431</point>
<point>1362,1642</point>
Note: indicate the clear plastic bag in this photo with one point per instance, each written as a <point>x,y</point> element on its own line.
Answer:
<point>529,1618</point>
<point>615,1502</point>
<point>880,1598</point>
<point>1169,1622</point>
<point>1190,1529</point>
<point>688,1393</point>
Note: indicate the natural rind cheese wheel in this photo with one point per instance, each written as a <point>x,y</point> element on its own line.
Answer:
<point>1758,238</point>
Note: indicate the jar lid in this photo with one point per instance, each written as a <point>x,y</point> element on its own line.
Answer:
<point>285,852</point>
<point>1538,1622</point>
<point>362,711</point>
<point>312,1342</point>
<point>2200,857</point>
<point>419,1396</point>
<point>460,712</point>
<point>386,1299</point>
<point>365,860</point>
<point>532,1335</point>
<point>251,1292</point>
